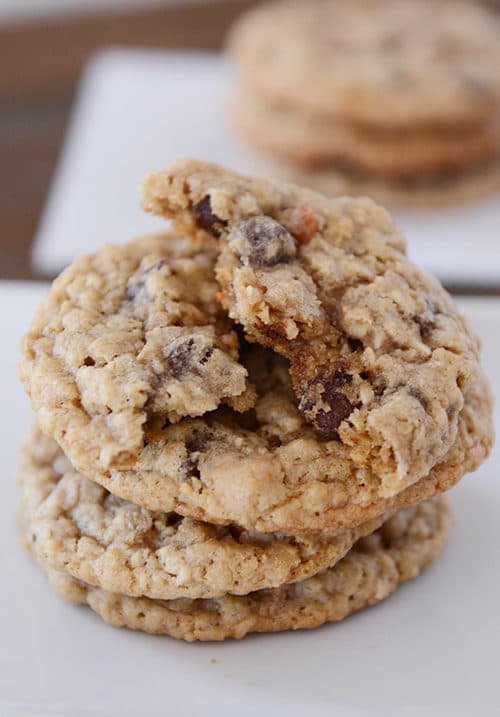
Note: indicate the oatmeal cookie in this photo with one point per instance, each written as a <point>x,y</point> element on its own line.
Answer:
<point>76,526</point>
<point>377,401</point>
<point>379,356</point>
<point>370,572</point>
<point>388,63</point>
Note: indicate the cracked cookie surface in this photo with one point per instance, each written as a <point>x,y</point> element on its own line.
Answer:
<point>380,358</point>
<point>403,547</point>
<point>128,339</point>
<point>75,525</point>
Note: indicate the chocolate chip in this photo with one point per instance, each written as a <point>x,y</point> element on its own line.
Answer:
<point>187,354</point>
<point>325,385</point>
<point>354,344</point>
<point>197,441</point>
<point>339,376</point>
<point>134,289</point>
<point>325,389</point>
<point>206,219</point>
<point>236,531</point>
<point>426,326</point>
<point>327,423</point>
<point>379,388</point>
<point>262,241</point>
<point>173,519</point>
<point>189,468</point>
<point>275,331</point>
<point>138,281</point>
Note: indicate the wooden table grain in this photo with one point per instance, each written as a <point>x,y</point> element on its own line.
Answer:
<point>40,63</point>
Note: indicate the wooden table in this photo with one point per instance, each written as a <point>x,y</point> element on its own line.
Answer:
<point>40,64</point>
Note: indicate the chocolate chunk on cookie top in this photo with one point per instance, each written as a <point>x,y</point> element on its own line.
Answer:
<point>261,241</point>
<point>379,357</point>
<point>127,340</point>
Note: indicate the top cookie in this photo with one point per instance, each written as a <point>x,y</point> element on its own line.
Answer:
<point>379,356</point>
<point>379,62</point>
<point>362,395</point>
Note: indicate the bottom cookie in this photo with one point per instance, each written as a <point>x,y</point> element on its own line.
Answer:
<point>445,191</point>
<point>405,545</point>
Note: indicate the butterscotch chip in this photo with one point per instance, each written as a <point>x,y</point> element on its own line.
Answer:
<point>370,572</point>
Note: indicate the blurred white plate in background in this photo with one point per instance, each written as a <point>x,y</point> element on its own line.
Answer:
<point>139,110</point>
<point>431,649</point>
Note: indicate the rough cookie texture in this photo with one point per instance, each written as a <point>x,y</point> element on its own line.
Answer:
<point>371,571</point>
<point>379,357</point>
<point>127,340</point>
<point>77,526</point>
<point>268,470</point>
<point>374,62</point>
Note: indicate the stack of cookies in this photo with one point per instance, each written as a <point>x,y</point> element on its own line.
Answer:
<point>394,99</point>
<point>245,423</point>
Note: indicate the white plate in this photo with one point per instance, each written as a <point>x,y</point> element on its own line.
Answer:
<point>139,110</point>
<point>430,649</point>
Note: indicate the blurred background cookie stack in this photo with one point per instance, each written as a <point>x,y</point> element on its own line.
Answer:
<point>246,422</point>
<point>394,99</point>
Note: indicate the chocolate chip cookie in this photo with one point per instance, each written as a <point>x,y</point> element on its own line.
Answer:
<point>397,100</point>
<point>387,63</point>
<point>379,357</point>
<point>362,393</point>
<point>403,547</point>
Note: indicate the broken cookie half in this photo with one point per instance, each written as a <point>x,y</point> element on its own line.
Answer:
<point>380,359</point>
